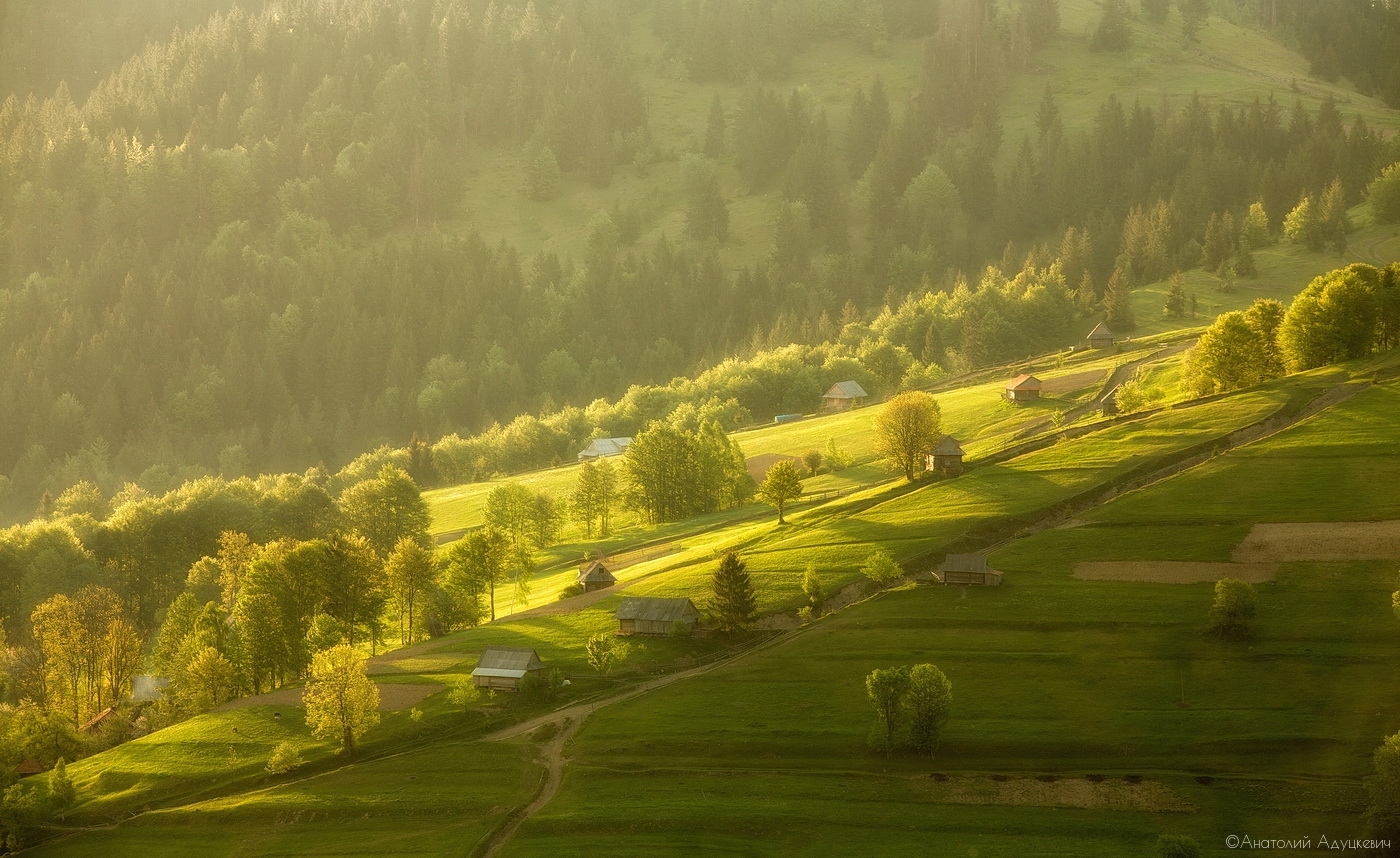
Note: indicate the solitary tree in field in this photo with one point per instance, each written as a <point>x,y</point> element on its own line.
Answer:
<point>783,484</point>
<point>906,430</point>
<point>1233,607</point>
<point>341,701</point>
<point>813,460</point>
<point>733,601</point>
<point>929,701</point>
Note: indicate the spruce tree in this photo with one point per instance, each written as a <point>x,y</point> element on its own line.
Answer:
<point>1176,298</point>
<point>1117,303</point>
<point>734,602</point>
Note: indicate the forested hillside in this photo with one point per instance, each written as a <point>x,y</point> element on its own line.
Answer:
<point>251,247</point>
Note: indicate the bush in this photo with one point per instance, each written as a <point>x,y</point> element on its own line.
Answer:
<point>680,629</point>
<point>1177,846</point>
<point>881,568</point>
<point>574,589</point>
<point>285,757</point>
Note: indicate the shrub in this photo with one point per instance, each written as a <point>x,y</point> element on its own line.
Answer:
<point>285,757</point>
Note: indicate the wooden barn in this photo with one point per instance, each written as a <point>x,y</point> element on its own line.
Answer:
<point>502,667</point>
<point>843,396</point>
<point>1023,388</point>
<point>600,448</point>
<point>595,576</point>
<point>967,570</point>
<point>638,615</point>
<point>1101,337</point>
<point>947,456</point>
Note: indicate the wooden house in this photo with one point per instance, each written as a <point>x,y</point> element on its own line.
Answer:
<point>595,576</point>
<point>843,396</point>
<point>638,615</point>
<point>947,456</point>
<point>503,667</point>
<point>967,570</point>
<point>29,767</point>
<point>1100,337</point>
<point>600,448</point>
<point>1023,388</point>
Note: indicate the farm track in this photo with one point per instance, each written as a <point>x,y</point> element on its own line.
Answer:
<point>571,718</point>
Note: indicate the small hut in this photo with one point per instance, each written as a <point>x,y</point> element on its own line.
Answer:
<point>947,456</point>
<point>1100,337</point>
<point>638,615</point>
<point>843,396</point>
<point>595,576</point>
<point>30,766</point>
<point>502,667</point>
<point>967,570</point>
<point>1023,388</point>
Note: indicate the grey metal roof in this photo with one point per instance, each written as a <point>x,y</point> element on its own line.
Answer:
<point>507,661</point>
<point>657,610</point>
<point>964,563</point>
<point>948,446</point>
<point>594,573</point>
<point>605,447</point>
<point>1100,332</point>
<point>846,390</point>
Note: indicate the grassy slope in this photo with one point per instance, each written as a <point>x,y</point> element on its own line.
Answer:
<point>991,633</point>
<point>205,757</point>
<point>1051,675</point>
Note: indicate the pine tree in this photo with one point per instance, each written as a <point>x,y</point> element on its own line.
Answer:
<point>1117,302</point>
<point>734,602</point>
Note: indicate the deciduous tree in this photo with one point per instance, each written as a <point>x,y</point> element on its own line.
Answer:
<point>781,485</point>
<point>906,430</point>
<point>341,701</point>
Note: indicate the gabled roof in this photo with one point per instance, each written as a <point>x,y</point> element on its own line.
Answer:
<point>948,446</point>
<point>97,719</point>
<point>30,766</point>
<point>595,573</point>
<point>1100,332</point>
<point>845,390</point>
<point>964,563</point>
<point>507,661</point>
<point>606,447</point>
<point>1023,382</point>
<point>657,610</point>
